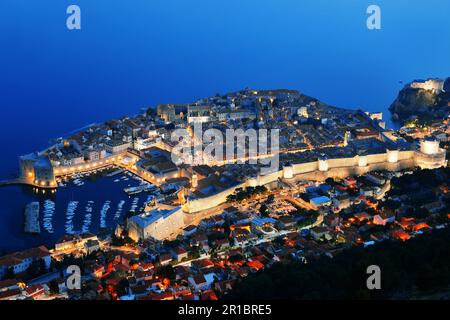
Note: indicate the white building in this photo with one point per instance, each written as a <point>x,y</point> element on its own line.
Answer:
<point>435,85</point>
<point>19,262</point>
<point>160,223</point>
<point>117,146</point>
<point>303,112</point>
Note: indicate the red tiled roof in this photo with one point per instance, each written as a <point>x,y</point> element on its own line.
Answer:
<point>209,295</point>
<point>8,283</point>
<point>202,264</point>
<point>33,290</point>
<point>165,257</point>
<point>255,264</point>
<point>223,241</point>
<point>179,250</point>
<point>188,297</point>
<point>199,279</point>
<point>9,294</point>
<point>399,234</point>
<point>18,257</point>
<point>421,226</point>
<point>161,296</point>
<point>147,266</point>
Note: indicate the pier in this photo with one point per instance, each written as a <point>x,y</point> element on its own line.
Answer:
<point>22,181</point>
<point>11,182</point>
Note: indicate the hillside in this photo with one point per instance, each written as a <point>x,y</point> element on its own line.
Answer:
<point>409,270</point>
<point>423,103</point>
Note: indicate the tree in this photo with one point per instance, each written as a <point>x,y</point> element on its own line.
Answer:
<point>270,199</point>
<point>193,253</point>
<point>53,286</point>
<point>263,210</point>
<point>419,264</point>
<point>166,272</point>
<point>9,274</point>
<point>122,287</point>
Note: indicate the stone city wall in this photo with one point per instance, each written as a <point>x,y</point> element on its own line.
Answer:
<point>337,168</point>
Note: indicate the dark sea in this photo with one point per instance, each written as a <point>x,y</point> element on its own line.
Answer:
<point>134,54</point>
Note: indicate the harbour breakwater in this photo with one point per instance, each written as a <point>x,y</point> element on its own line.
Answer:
<point>12,182</point>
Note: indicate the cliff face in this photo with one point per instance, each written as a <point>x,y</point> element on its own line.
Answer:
<point>424,104</point>
<point>447,85</point>
<point>412,102</point>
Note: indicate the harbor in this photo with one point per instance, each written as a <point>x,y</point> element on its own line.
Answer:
<point>91,202</point>
<point>142,188</point>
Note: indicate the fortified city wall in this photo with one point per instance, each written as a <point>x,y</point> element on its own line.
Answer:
<point>392,160</point>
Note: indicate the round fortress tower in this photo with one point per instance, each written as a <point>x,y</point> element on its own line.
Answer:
<point>429,146</point>
<point>288,172</point>
<point>430,155</point>
<point>392,156</point>
<point>323,163</point>
<point>37,170</point>
<point>362,160</point>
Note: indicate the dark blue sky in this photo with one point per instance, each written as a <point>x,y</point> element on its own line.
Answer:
<point>135,53</point>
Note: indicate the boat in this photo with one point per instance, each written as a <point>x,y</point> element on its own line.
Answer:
<point>119,209</point>
<point>134,205</point>
<point>87,217</point>
<point>49,211</point>
<point>103,213</point>
<point>139,189</point>
<point>71,207</point>
<point>114,173</point>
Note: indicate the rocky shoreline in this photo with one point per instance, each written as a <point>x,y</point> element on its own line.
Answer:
<point>422,100</point>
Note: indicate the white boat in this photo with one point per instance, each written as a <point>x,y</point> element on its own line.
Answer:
<point>87,217</point>
<point>140,188</point>
<point>71,207</point>
<point>47,219</point>
<point>103,213</point>
<point>134,205</point>
<point>119,209</point>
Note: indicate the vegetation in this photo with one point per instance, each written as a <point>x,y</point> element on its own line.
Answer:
<point>194,253</point>
<point>53,286</point>
<point>166,272</point>
<point>122,241</point>
<point>310,218</point>
<point>420,107</point>
<point>419,188</point>
<point>408,270</point>
<point>246,193</point>
<point>70,260</point>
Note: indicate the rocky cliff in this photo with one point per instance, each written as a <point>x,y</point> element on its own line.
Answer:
<point>421,103</point>
<point>447,85</point>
